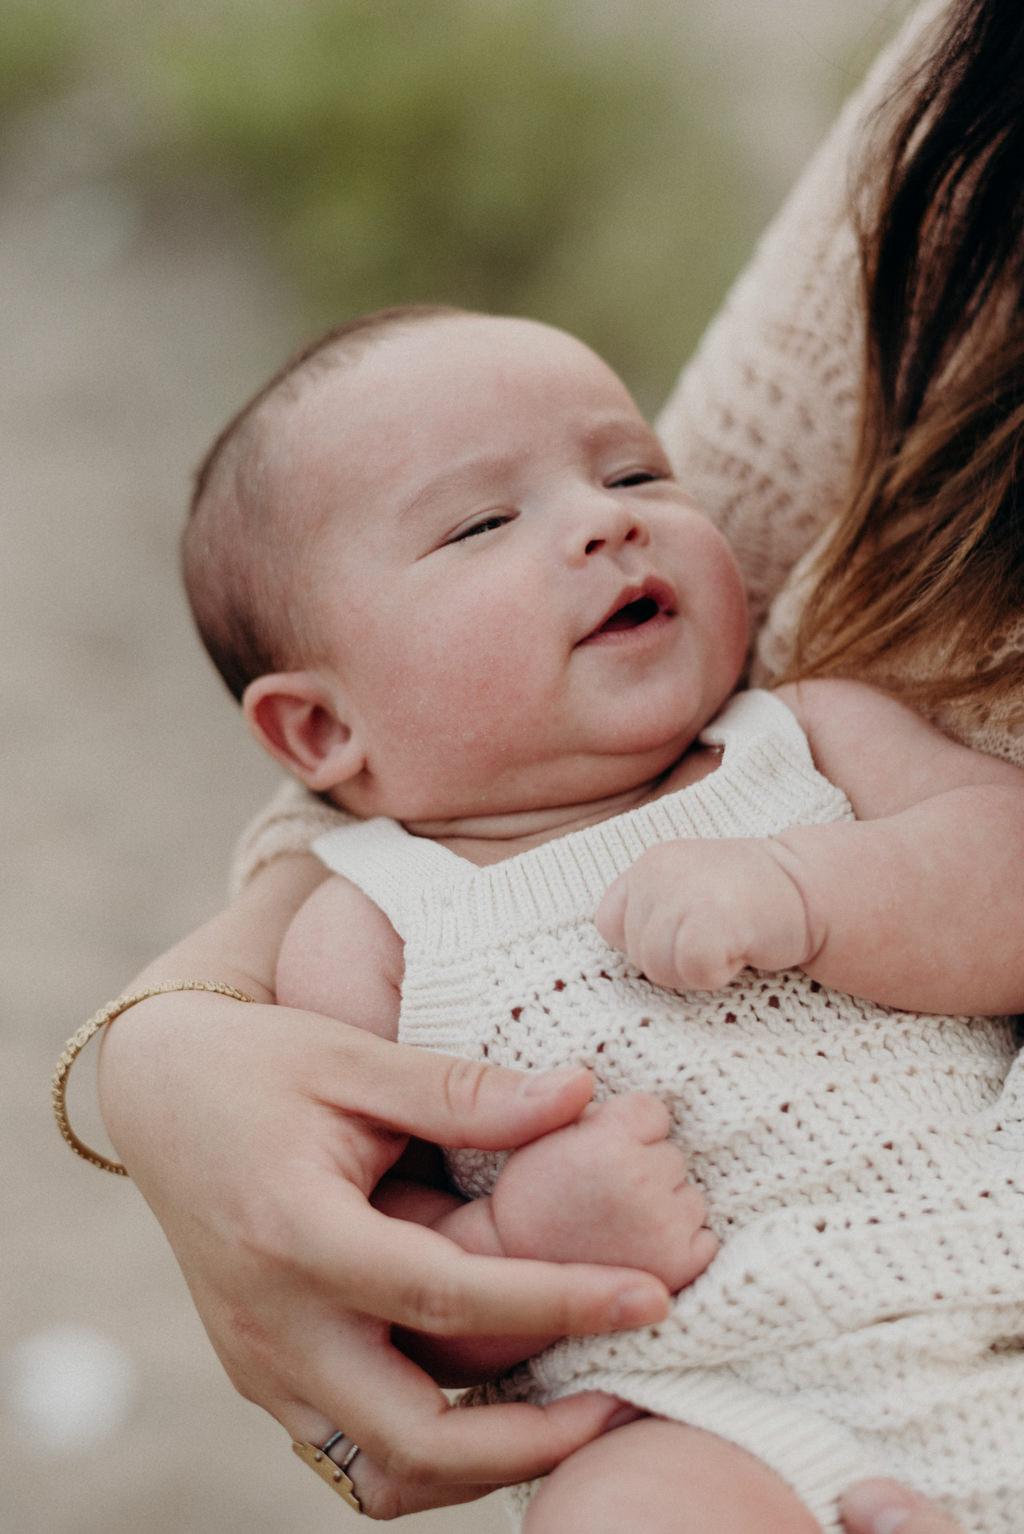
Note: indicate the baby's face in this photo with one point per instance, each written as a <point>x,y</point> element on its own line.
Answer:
<point>519,604</point>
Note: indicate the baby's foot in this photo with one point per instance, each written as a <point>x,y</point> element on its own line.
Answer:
<point>609,1188</point>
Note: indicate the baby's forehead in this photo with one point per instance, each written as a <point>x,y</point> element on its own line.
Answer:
<point>419,368</point>
<point>409,402</point>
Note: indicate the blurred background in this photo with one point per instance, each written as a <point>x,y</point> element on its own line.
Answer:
<point>186,191</point>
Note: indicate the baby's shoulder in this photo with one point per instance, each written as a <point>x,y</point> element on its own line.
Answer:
<point>883,753</point>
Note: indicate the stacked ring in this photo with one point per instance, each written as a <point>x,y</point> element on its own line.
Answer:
<point>333,1472</point>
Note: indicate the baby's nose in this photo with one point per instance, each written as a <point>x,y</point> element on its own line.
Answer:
<point>608,525</point>
<point>631,535</point>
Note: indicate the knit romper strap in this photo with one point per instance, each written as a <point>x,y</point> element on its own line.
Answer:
<point>389,865</point>
<point>423,887</point>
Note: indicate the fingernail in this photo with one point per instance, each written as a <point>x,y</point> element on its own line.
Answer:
<point>636,1306</point>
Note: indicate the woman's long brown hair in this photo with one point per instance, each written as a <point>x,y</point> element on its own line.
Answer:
<point>928,552</point>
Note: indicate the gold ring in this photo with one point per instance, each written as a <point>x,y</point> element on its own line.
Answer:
<point>332,1472</point>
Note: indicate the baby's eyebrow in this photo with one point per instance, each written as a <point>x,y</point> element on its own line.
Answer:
<point>471,474</point>
<point>490,473</point>
<point>621,431</point>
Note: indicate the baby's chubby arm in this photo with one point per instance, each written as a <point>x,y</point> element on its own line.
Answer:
<point>919,903</point>
<point>609,1188</point>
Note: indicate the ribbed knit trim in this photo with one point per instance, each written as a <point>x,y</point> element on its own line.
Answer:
<point>563,880</point>
<point>816,1458</point>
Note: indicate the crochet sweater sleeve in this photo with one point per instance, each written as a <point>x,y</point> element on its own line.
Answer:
<point>761,424</point>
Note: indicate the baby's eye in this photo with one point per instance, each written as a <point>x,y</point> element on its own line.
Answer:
<point>485,525</point>
<point>636,477</point>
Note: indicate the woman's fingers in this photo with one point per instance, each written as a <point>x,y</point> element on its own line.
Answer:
<point>322,1369</point>
<point>262,1187</point>
<point>530,1442</point>
<point>440,1098</point>
<point>416,1278</point>
<point>883,1507</point>
<point>307,1099</point>
<point>417,1450</point>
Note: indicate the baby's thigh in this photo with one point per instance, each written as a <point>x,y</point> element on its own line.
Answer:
<point>666,1478</point>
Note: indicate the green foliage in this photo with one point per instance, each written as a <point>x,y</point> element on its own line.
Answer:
<point>530,158</point>
<point>39,46</point>
<point>569,159</point>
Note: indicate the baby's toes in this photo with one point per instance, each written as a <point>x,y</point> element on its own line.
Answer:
<point>693,1254</point>
<point>641,1114</point>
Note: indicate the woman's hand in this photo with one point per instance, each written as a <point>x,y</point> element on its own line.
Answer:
<point>257,1133</point>
<point>882,1507</point>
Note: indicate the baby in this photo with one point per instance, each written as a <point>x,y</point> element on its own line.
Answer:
<point>444,563</point>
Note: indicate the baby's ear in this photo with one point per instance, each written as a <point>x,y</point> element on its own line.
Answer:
<point>296,716</point>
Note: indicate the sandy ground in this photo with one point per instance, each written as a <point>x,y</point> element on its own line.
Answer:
<point>127,776</point>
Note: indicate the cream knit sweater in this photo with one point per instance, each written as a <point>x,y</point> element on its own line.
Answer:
<point>866,1310</point>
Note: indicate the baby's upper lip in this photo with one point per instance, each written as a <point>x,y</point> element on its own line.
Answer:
<point>635,605</point>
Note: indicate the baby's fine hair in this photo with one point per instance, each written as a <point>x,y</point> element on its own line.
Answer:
<point>243,554</point>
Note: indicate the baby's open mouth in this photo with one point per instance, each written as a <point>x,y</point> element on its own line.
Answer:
<point>631,616</point>
<point>636,608</point>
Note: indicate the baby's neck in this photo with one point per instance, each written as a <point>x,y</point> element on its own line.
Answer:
<point>486,839</point>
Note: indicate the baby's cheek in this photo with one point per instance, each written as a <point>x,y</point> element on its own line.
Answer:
<point>486,668</point>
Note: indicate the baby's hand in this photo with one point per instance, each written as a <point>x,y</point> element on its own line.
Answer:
<point>691,914</point>
<point>610,1188</point>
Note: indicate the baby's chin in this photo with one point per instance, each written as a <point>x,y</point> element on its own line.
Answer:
<point>513,800</point>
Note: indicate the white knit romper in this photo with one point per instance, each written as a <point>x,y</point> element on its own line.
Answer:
<point>863,1167</point>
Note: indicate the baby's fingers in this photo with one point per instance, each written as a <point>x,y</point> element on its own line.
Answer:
<point>631,920</point>
<point>657,932</point>
<point>610,920</point>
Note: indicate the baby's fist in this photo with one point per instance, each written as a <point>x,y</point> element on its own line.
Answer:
<point>692,914</point>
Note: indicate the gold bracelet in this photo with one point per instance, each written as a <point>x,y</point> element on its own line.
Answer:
<point>77,1042</point>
